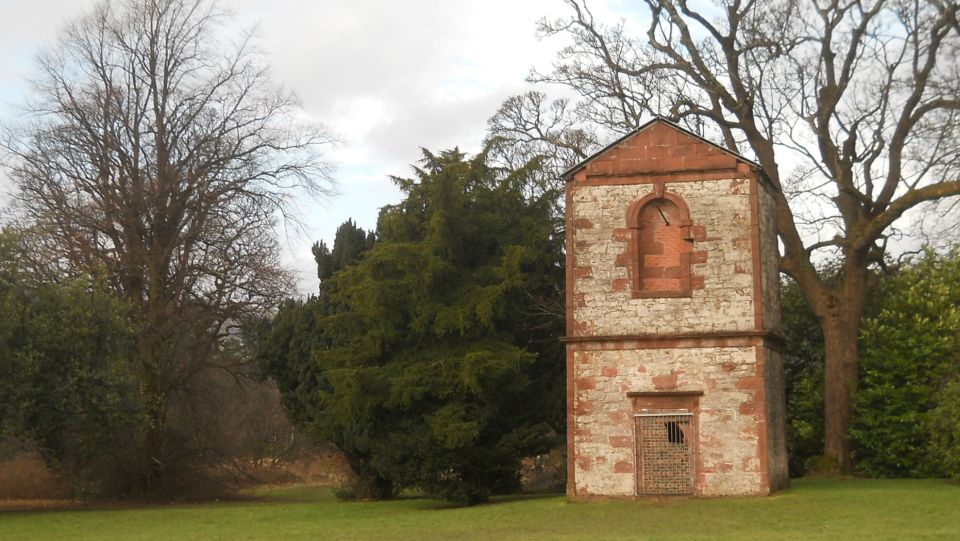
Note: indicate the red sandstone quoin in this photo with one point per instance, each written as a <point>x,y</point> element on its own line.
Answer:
<point>674,369</point>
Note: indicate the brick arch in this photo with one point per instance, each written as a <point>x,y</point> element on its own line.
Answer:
<point>633,211</point>
<point>661,245</point>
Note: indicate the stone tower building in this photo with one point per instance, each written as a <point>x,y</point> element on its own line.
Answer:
<point>674,370</point>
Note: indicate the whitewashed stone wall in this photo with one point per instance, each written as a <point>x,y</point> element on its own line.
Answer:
<point>725,303</point>
<point>729,419</point>
<point>770,261</point>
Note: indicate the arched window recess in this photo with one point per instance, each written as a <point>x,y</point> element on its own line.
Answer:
<point>661,245</point>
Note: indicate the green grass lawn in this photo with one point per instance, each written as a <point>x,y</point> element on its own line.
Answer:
<point>812,509</point>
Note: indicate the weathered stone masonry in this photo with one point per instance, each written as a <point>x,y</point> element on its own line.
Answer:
<point>678,316</point>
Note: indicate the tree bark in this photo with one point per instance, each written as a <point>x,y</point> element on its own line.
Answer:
<point>840,378</point>
<point>839,311</point>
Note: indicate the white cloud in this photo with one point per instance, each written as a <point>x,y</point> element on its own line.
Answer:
<point>388,77</point>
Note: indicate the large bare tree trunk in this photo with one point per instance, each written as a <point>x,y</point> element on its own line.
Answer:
<point>839,310</point>
<point>840,375</point>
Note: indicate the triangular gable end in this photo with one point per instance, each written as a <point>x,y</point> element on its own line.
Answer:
<point>657,147</point>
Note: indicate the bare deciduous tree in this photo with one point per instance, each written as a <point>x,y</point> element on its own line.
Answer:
<point>531,126</point>
<point>852,108</point>
<point>157,150</point>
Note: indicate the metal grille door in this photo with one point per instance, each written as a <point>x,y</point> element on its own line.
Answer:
<point>665,453</point>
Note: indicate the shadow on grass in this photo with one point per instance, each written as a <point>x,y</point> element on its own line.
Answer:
<point>39,507</point>
<point>440,505</point>
<point>274,494</point>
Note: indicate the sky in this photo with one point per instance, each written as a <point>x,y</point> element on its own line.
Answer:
<point>385,77</point>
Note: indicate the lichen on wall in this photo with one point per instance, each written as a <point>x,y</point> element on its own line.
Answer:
<point>729,416</point>
<point>603,302</point>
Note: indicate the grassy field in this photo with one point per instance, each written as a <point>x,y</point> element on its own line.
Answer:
<point>812,509</point>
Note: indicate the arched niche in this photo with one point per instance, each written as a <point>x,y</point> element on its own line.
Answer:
<point>661,245</point>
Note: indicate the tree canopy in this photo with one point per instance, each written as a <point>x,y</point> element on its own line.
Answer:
<point>158,152</point>
<point>349,243</point>
<point>911,350</point>
<point>906,421</point>
<point>68,385</point>
<point>432,361</point>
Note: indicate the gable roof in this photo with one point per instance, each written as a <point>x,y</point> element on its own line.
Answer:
<point>568,174</point>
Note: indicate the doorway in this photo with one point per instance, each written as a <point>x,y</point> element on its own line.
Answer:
<point>666,440</point>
